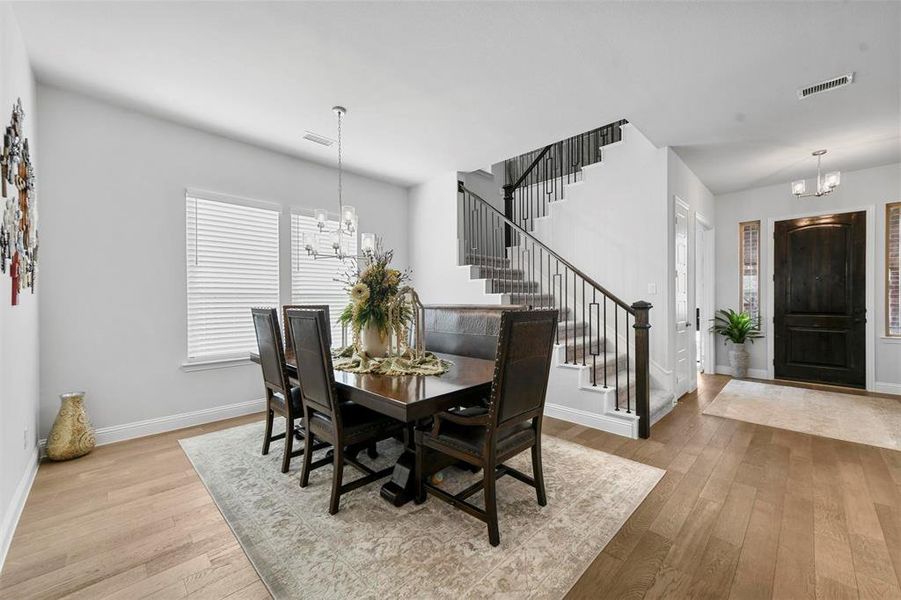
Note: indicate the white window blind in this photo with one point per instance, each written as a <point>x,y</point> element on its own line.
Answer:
<point>232,252</point>
<point>749,264</point>
<point>315,281</point>
<point>893,269</point>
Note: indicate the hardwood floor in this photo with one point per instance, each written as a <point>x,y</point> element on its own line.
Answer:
<point>744,511</point>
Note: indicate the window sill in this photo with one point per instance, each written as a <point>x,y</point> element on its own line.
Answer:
<point>214,363</point>
<point>890,339</point>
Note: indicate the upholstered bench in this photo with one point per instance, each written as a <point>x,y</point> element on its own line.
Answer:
<point>464,329</point>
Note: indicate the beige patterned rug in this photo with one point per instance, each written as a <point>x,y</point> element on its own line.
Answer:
<point>371,549</point>
<point>862,419</point>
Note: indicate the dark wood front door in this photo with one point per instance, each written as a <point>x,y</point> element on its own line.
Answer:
<point>820,299</point>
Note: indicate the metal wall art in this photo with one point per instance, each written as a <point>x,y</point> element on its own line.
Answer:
<point>18,227</point>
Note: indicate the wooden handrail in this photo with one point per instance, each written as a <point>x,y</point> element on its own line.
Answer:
<point>610,295</point>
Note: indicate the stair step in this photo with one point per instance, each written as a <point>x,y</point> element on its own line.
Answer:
<point>506,286</point>
<point>485,260</point>
<point>492,272</point>
<point>535,300</point>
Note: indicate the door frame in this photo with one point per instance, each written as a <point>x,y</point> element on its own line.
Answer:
<point>870,291</point>
<point>706,301</point>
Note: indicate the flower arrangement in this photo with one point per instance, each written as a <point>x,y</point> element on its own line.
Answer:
<point>374,294</point>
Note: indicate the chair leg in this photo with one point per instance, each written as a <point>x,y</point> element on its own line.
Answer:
<point>337,475</point>
<point>372,451</point>
<point>490,483</point>
<point>267,437</point>
<point>289,446</point>
<point>307,459</point>
<point>538,473</point>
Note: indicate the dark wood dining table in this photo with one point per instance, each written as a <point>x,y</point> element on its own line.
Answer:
<point>412,399</point>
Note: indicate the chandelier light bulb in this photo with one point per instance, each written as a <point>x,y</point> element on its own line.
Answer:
<point>799,187</point>
<point>832,180</point>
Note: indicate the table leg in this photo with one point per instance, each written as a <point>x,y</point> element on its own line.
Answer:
<point>401,488</point>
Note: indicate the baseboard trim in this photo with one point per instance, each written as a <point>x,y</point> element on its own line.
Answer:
<point>755,373</point>
<point>129,431</point>
<point>884,387</point>
<point>14,510</point>
<point>624,427</point>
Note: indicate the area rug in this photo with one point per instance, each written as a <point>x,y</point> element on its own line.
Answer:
<point>371,549</point>
<point>862,419</point>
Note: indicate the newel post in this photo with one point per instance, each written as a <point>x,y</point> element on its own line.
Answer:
<point>642,367</point>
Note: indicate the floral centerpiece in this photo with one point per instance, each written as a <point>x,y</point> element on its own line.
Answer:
<point>376,310</point>
<point>381,312</point>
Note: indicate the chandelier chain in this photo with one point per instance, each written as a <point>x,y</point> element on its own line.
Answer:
<point>340,169</point>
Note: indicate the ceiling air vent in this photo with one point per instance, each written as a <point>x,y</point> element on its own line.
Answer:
<point>825,86</point>
<point>318,139</point>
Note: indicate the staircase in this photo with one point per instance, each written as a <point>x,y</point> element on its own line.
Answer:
<point>602,370</point>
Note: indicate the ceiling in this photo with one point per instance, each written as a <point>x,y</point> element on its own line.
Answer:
<point>442,86</point>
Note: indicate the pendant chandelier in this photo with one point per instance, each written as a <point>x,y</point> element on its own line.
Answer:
<point>825,185</point>
<point>338,239</point>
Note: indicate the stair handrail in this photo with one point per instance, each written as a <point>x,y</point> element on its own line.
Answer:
<point>639,311</point>
<point>461,187</point>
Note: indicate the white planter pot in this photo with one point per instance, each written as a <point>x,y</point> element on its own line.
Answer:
<point>373,342</point>
<point>738,358</point>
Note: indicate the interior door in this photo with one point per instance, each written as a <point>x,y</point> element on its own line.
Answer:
<point>684,322</point>
<point>820,299</point>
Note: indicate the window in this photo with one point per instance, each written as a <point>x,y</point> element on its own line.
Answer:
<point>232,265</point>
<point>893,269</point>
<point>749,265</point>
<point>316,281</point>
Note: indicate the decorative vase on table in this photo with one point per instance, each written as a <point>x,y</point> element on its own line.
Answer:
<point>373,341</point>
<point>72,434</point>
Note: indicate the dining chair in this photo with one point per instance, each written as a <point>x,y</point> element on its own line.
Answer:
<point>511,423</point>
<point>281,398</point>
<point>347,426</point>
<point>289,341</point>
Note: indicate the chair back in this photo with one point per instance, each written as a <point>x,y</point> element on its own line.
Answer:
<point>289,341</point>
<point>309,331</point>
<point>524,350</point>
<point>272,353</point>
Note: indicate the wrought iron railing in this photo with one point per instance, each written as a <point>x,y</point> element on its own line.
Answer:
<point>535,179</point>
<point>532,274</point>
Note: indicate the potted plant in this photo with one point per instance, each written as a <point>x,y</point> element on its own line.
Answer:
<point>372,292</point>
<point>736,327</point>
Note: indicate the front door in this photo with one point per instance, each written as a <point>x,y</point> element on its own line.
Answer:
<point>820,299</point>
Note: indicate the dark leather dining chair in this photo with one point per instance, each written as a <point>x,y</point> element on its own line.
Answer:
<point>511,423</point>
<point>347,426</point>
<point>281,398</point>
<point>289,341</point>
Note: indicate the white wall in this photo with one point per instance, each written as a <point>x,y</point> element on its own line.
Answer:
<point>860,189</point>
<point>613,226</point>
<point>434,247</point>
<point>18,324</point>
<point>113,252</point>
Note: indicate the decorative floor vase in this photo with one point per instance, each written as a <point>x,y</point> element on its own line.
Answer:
<point>72,434</point>
<point>372,342</point>
<point>738,356</point>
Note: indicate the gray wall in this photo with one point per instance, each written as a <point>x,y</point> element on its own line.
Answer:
<point>18,324</point>
<point>860,189</point>
<point>113,252</point>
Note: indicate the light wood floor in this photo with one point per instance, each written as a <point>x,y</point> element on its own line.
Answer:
<point>744,511</point>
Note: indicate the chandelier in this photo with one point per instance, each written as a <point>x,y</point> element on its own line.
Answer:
<point>825,185</point>
<point>338,239</point>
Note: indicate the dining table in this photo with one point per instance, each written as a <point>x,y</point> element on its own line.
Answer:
<point>412,399</point>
